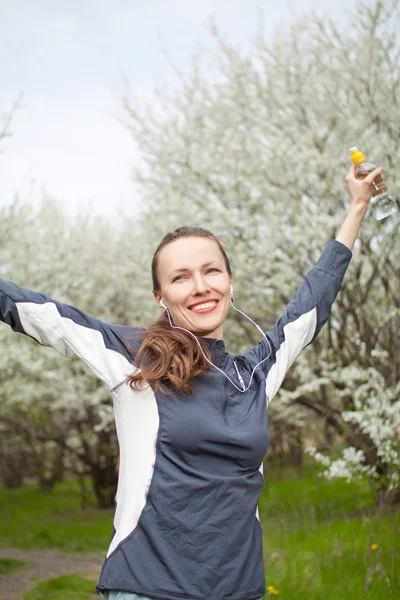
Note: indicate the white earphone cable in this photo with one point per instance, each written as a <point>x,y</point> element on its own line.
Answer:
<point>244,388</point>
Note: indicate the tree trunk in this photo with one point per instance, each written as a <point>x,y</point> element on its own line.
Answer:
<point>12,478</point>
<point>104,480</point>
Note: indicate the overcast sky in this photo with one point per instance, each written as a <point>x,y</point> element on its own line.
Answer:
<point>66,58</point>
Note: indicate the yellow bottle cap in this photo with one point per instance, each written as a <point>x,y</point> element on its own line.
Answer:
<point>356,156</point>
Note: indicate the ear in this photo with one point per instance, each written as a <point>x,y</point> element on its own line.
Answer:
<point>157,297</point>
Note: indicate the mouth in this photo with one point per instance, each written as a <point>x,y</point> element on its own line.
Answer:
<point>203,307</point>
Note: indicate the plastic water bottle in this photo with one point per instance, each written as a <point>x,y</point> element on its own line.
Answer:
<point>382,205</point>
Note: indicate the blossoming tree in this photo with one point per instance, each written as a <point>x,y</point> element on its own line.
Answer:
<point>255,145</point>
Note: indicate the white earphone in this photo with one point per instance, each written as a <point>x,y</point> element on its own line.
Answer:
<point>244,387</point>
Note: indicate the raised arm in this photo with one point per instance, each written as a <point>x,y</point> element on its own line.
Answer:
<point>306,314</point>
<point>359,191</point>
<point>102,347</point>
<point>309,310</point>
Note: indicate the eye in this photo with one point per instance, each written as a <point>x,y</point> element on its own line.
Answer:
<point>177,278</point>
<point>211,269</point>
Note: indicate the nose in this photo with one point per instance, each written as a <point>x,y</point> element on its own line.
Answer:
<point>200,286</point>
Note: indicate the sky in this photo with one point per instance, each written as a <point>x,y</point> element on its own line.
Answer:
<point>65,59</point>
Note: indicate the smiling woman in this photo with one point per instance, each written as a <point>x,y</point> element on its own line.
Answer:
<point>192,424</point>
<point>199,284</point>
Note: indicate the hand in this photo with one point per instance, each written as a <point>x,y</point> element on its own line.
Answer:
<point>360,190</point>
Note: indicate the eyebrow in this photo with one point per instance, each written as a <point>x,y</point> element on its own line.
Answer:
<point>185,270</point>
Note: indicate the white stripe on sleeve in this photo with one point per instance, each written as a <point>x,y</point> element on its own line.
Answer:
<point>298,334</point>
<point>44,323</point>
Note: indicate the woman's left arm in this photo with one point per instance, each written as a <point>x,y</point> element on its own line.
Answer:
<point>309,310</point>
<point>360,191</point>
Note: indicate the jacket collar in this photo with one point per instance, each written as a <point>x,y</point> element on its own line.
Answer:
<point>217,350</point>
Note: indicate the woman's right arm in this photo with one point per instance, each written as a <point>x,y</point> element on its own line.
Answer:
<point>70,331</point>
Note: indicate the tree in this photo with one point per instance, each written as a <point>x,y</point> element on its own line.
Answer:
<point>6,120</point>
<point>255,146</point>
<point>60,414</point>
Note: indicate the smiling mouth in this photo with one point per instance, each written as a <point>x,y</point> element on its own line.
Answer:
<point>203,307</point>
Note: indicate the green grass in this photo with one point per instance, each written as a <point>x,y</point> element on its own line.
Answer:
<point>52,520</point>
<point>286,494</point>
<point>67,587</point>
<point>332,561</point>
<point>8,566</point>
<point>317,536</point>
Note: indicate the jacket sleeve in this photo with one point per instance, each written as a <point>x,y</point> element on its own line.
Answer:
<point>102,347</point>
<point>304,316</point>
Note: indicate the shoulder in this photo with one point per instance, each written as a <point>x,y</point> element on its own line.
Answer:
<point>129,338</point>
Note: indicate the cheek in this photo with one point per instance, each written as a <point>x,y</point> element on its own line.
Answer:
<point>176,296</point>
<point>227,291</point>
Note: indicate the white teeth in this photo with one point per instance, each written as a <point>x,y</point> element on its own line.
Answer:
<point>203,306</point>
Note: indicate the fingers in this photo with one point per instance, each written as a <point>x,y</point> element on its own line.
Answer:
<point>369,179</point>
<point>350,176</point>
<point>374,174</point>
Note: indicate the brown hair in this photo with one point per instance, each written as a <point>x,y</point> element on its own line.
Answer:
<point>171,356</point>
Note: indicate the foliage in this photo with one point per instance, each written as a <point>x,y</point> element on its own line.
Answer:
<point>376,416</point>
<point>333,560</point>
<point>8,566</point>
<point>6,118</point>
<point>255,145</point>
<point>79,428</point>
<point>69,587</point>
<point>53,520</point>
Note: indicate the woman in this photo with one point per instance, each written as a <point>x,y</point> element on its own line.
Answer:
<point>191,419</point>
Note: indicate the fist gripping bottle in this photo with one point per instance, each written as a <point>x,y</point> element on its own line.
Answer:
<point>382,205</point>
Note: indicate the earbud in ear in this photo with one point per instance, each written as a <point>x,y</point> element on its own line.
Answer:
<point>162,304</point>
<point>231,290</point>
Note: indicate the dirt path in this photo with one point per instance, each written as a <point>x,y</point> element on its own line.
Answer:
<point>44,564</point>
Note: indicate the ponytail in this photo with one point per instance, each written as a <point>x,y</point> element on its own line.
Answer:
<point>170,357</point>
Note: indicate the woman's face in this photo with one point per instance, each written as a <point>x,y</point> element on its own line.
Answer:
<point>195,285</point>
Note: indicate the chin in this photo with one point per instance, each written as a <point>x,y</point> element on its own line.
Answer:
<point>211,334</point>
<point>209,329</point>
<point>201,331</point>
<point>208,332</point>
<point>202,328</point>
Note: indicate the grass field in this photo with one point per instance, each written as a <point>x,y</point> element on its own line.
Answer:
<point>67,587</point>
<point>8,566</point>
<point>321,539</point>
